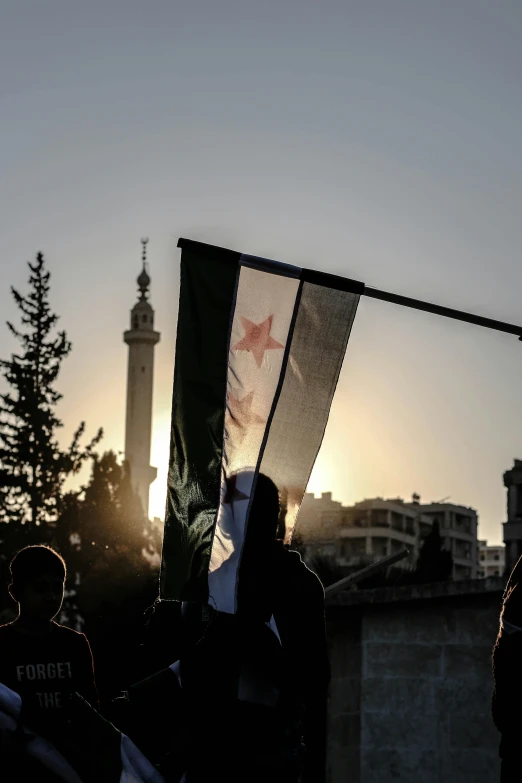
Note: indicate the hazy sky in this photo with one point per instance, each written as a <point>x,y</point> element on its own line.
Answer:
<point>379,140</point>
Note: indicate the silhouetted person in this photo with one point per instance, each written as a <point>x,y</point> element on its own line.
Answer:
<point>40,660</point>
<point>171,629</point>
<point>238,705</point>
<point>299,615</point>
<point>507,677</point>
<point>295,598</point>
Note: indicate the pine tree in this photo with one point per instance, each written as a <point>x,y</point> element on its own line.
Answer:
<point>109,518</point>
<point>33,466</point>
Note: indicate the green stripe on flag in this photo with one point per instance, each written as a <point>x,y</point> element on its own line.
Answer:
<point>206,305</point>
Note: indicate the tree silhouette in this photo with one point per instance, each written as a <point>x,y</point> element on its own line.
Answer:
<point>33,466</point>
<point>113,564</point>
<point>108,520</point>
<point>110,547</point>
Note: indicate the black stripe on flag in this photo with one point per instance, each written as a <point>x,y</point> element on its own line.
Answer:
<point>207,290</point>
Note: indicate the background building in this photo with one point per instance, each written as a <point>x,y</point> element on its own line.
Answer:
<point>373,529</point>
<point>459,529</point>
<point>317,517</point>
<point>378,527</point>
<point>513,526</point>
<point>492,559</point>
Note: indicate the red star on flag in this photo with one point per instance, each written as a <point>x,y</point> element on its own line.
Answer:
<point>241,411</point>
<point>257,339</point>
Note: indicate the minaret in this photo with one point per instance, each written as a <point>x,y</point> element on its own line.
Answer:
<point>141,339</point>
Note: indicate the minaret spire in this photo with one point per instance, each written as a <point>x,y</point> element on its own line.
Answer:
<point>141,339</point>
<point>144,278</point>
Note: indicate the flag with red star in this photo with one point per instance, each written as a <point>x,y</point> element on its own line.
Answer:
<point>90,749</point>
<point>258,353</point>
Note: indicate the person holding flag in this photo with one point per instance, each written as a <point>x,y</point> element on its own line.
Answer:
<point>259,349</point>
<point>257,679</point>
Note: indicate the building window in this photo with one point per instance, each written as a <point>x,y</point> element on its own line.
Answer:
<point>482,556</point>
<point>356,546</point>
<point>356,521</point>
<point>424,530</point>
<point>463,523</point>
<point>144,319</point>
<point>497,572</point>
<point>463,550</point>
<point>379,518</point>
<point>379,546</point>
<point>496,557</point>
<point>143,369</point>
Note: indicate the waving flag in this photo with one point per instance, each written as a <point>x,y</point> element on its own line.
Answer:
<point>259,349</point>
<point>94,744</point>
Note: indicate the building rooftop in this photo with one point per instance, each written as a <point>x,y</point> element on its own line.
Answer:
<point>446,506</point>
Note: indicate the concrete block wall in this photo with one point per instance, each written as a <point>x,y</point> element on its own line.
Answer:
<point>411,687</point>
<point>344,709</point>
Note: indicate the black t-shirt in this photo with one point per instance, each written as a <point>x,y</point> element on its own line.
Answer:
<point>44,670</point>
<point>298,605</point>
<point>298,608</point>
<point>299,669</point>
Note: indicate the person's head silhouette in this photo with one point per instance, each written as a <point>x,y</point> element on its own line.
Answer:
<point>37,584</point>
<point>262,530</point>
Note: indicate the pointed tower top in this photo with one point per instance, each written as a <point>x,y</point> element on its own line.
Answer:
<point>144,278</point>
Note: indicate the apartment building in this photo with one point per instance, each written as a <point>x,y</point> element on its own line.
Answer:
<point>379,527</point>
<point>513,525</point>
<point>318,517</point>
<point>492,559</point>
<point>459,529</point>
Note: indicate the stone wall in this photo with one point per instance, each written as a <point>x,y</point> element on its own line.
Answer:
<point>411,684</point>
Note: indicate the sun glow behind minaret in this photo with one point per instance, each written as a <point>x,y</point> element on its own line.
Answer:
<point>160,451</point>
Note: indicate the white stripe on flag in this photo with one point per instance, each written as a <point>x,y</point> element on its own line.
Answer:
<point>175,668</point>
<point>10,702</point>
<point>35,746</point>
<point>260,329</point>
<point>45,752</point>
<point>273,627</point>
<point>135,767</point>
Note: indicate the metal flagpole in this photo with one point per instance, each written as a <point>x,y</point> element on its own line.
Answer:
<point>364,573</point>
<point>346,284</point>
<point>447,312</point>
